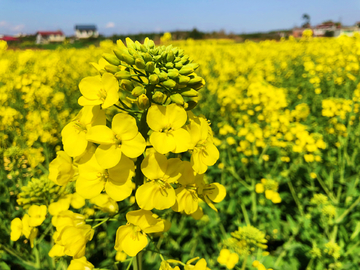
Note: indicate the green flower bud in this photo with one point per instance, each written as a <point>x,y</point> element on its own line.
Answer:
<point>111,68</point>
<point>163,76</point>
<point>186,70</point>
<point>194,66</point>
<point>142,48</point>
<point>190,93</point>
<point>169,83</point>
<point>142,102</point>
<point>177,98</point>
<point>149,43</point>
<point>156,58</point>
<point>112,59</point>
<point>123,74</point>
<point>138,90</point>
<point>159,97</point>
<point>173,74</point>
<point>140,63</point>
<point>178,65</point>
<point>170,56</point>
<point>130,43</point>
<point>127,58</point>
<point>169,65</point>
<point>199,85</point>
<point>183,79</point>
<point>184,60</point>
<point>177,59</point>
<point>147,57</point>
<point>195,80</point>
<point>118,52</point>
<point>137,45</point>
<point>127,85</point>
<point>150,67</point>
<point>154,79</point>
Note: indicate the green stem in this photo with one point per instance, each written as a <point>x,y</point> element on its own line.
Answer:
<point>44,233</point>
<point>37,256</point>
<point>253,201</point>
<point>231,170</point>
<point>17,256</point>
<point>243,266</point>
<point>323,185</point>
<point>293,193</point>
<point>347,211</point>
<point>130,263</point>
<point>138,262</point>
<point>247,220</point>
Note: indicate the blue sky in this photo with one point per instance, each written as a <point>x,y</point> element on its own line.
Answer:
<point>134,16</point>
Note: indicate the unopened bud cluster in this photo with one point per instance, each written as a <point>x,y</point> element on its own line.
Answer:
<point>166,67</point>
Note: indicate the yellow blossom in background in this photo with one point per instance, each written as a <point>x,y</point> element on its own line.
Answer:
<point>200,264</point>
<point>37,215</point>
<point>228,258</point>
<point>80,264</point>
<point>16,229</point>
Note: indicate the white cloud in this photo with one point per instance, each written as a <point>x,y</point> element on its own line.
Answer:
<point>110,25</point>
<point>3,24</point>
<point>17,27</point>
<point>10,28</point>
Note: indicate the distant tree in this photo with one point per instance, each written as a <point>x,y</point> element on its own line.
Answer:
<point>306,19</point>
<point>329,34</point>
<point>196,34</point>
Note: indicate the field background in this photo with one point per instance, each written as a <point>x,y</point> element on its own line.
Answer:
<point>285,115</point>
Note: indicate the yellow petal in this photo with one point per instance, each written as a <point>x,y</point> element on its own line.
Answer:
<point>125,126</point>
<point>134,147</point>
<point>123,171</point>
<point>90,86</point>
<point>111,86</point>
<point>156,117</point>
<point>74,141</point>
<point>216,193</point>
<point>145,195</point>
<point>89,188</point>
<point>176,116</point>
<point>83,101</point>
<point>182,140</point>
<point>210,155</point>
<point>101,135</point>
<point>108,155</point>
<point>132,244</point>
<point>118,192</point>
<point>154,166</point>
<point>163,142</point>
<point>197,163</point>
<point>16,229</point>
<point>259,188</point>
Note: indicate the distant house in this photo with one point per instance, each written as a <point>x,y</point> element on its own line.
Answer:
<point>8,38</point>
<point>348,31</point>
<point>297,32</point>
<point>321,29</point>
<point>45,37</point>
<point>86,31</point>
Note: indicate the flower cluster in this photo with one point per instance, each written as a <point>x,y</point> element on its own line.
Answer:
<point>128,139</point>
